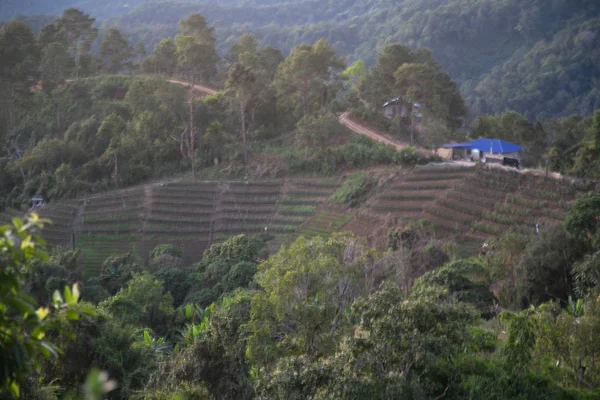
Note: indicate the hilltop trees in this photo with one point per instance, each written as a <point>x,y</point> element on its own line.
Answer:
<point>416,75</point>
<point>308,78</point>
<point>163,59</point>
<point>78,31</point>
<point>115,51</point>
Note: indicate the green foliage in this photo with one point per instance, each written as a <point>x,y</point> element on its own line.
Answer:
<point>581,221</point>
<point>315,130</point>
<point>544,272</point>
<point>298,312</point>
<point>354,187</point>
<point>166,249</point>
<point>465,281</point>
<point>23,327</point>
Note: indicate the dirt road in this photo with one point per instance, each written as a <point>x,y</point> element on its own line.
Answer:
<point>198,88</point>
<point>370,132</point>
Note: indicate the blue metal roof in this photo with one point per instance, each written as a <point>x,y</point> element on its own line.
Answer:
<point>489,145</point>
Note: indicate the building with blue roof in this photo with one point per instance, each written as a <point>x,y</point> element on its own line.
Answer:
<point>486,150</point>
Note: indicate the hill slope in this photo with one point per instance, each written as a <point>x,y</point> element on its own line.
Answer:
<point>463,204</point>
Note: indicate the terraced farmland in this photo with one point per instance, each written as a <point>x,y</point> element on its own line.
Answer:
<point>475,203</point>
<point>189,214</point>
<point>467,204</point>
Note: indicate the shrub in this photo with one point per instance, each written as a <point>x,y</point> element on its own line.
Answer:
<point>241,275</point>
<point>315,130</point>
<point>166,249</point>
<point>354,187</point>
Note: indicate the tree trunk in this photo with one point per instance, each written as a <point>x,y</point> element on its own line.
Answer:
<point>191,133</point>
<point>116,173</point>
<point>243,115</point>
<point>58,114</point>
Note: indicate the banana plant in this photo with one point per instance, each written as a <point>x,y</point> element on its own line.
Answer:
<point>158,345</point>
<point>575,309</point>
<point>193,330</point>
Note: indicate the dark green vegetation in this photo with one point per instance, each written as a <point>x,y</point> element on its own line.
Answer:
<point>536,57</point>
<point>322,318</point>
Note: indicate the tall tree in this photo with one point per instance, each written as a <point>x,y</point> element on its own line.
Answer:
<point>79,32</point>
<point>163,59</point>
<point>56,63</point>
<point>197,59</point>
<point>241,82</point>
<point>19,71</point>
<point>308,73</point>
<point>115,51</point>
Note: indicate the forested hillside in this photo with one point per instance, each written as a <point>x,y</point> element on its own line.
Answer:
<point>504,54</point>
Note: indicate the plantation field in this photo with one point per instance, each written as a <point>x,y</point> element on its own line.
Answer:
<point>189,214</point>
<point>474,203</point>
<point>468,205</point>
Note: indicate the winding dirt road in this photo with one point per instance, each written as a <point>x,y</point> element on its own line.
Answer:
<point>370,132</point>
<point>344,118</point>
<point>197,87</point>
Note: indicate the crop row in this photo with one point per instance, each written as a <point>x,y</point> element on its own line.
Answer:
<point>407,197</point>
<point>460,207</point>
<point>294,201</point>
<point>183,196</point>
<point>522,201</point>
<point>511,209</point>
<point>286,220</point>
<point>488,194</point>
<point>181,211</point>
<point>167,220</point>
<point>485,227</point>
<point>248,210</point>
<point>427,186</point>
<point>323,184</point>
<point>468,198</point>
<point>463,219</point>
<point>257,193</point>
<point>297,210</point>
<point>308,193</point>
<point>433,177</point>
<point>112,228</point>
<point>270,200</point>
<point>397,208</point>
<point>260,228</point>
<point>500,218</point>
<point>110,217</point>
<point>162,203</point>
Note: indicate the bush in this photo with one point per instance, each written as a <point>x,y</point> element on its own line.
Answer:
<point>352,189</point>
<point>315,130</point>
<point>166,249</point>
<point>175,281</point>
<point>241,275</point>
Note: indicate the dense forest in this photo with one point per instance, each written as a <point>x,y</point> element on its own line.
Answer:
<point>88,107</point>
<point>536,57</point>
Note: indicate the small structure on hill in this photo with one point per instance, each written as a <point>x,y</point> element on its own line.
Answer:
<point>37,202</point>
<point>487,151</point>
<point>403,107</point>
